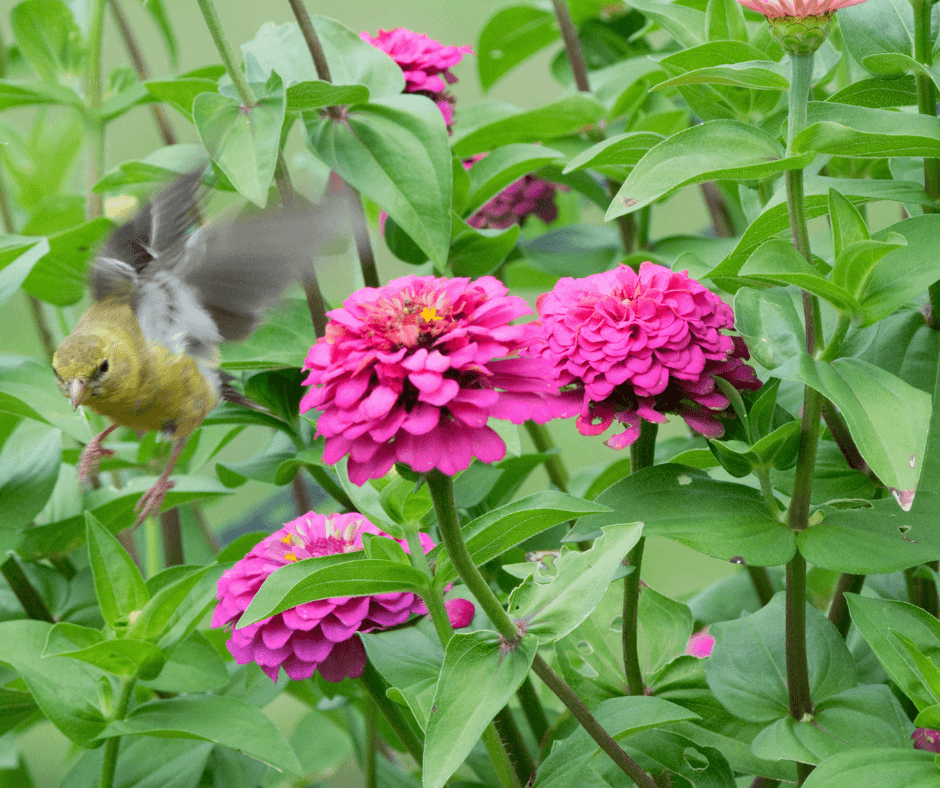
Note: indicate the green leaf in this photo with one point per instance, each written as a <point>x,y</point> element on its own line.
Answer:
<point>504,166</point>
<point>510,37</point>
<point>686,25</point>
<point>395,152</point>
<point>368,501</point>
<point>495,532</point>
<point>724,20</point>
<point>664,627</point>
<point>720,149</point>
<point>476,252</point>
<point>146,762</point>
<point>29,467</point>
<point>193,666</point>
<point>879,621</point>
<point>857,719</point>
<point>166,609</point>
<point>491,124</point>
<point>64,689</point>
<point>616,156</point>
<point>860,132</point>
<point>282,340</point>
<point>244,142</point>
<point>119,586</point>
<point>49,39</point>
<point>181,92</point>
<point>59,276</point>
<point>162,166</point>
<point>892,66</point>
<point>162,21</point>
<point>878,93</point>
<point>25,94</point>
<point>313,94</point>
<point>352,61</point>
<point>747,668</point>
<point>352,574</point>
<point>876,767</point>
<point>478,677</point>
<point>227,721</point>
<point>622,718</point>
<point>551,610</point>
<point>123,657</point>
<point>574,250</point>
<point>885,416</point>
<point>28,388</point>
<point>721,519</point>
<point>770,322</point>
<point>884,27</point>
<point>754,74</point>
<point>777,262</point>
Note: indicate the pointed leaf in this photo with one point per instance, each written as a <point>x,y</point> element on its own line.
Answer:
<point>876,767</point>
<point>510,37</point>
<point>123,657</point>
<point>29,466</point>
<point>119,586</point>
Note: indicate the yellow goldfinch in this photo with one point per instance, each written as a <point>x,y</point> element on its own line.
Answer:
<point>145,354</point>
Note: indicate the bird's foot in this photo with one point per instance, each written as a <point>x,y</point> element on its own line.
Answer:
<point>151,501</point>
<point>89,460</point>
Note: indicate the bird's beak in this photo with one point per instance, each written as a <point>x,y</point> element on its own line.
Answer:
<point>77,392</point>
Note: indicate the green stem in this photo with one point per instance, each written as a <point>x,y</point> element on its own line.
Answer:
<point>225,52</point>
<point>500,760</point>
<point>433,598</point>
<point>172,535</point>
<point>514,744</point>
<point>831,351</point>
<point>316,49</point>
<point>93,123</point>
<point>111,745</point>
<point>335,490</point>
<point>442,493</point>
<point>642,455</point>
<point>371,736</point>
<point>28,597</point>
<point>926,93</point>
<point>557,473</point>
<point>532,708</point>
<point>760,579</point>
<point>767,491</point>
<point>801,704</point>
<point>394,714</point>
<point>839,609</point>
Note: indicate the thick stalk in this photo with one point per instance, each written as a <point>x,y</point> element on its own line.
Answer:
<point>499,758</point>
<point>94,126</point>
<point>393,713</point>
<point>371,736</point>
<point>642,455</point>
<point>839,609</point>
<point>225,52</point>
<point>442,493</point>
<point>514,744</point>
<point>111,746</point>
<point>801,704</point>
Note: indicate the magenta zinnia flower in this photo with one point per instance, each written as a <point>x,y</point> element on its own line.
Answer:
<point>700,644</point>
<point>773,9</point>
<point>529,196</point>
<point>315,636</point>
<point>426,64</point>
<point>412,371</point>
<point>635,346</point>
<point>926,739</point>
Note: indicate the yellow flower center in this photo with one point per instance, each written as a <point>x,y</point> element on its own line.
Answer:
<point>429,313</point>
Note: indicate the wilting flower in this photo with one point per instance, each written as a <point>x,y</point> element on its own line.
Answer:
<point>799,26</point>
<point>926,739</point>
<point>412,371</point>
<point>315,636</point>
<point>700,644</point>
<point>635,346</point>
<point>426,64</point>
<point>529,196</point>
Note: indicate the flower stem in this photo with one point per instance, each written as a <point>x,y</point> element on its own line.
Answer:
<point>514,744</point>
<point>111,746</point>
<point>225,52</point>
<point>433,598</point>
<point>498,757</point>
<point>375,686</point>
<point>442,493</point>
<point>839,609</point>
<point>532,708</point>
<point>761,582</point>
<point>642,455</point>
<point>801,704</point>
<point>371,735</point>
<point>557,473</point>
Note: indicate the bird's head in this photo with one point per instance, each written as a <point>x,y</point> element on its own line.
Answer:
<point>82,367</point>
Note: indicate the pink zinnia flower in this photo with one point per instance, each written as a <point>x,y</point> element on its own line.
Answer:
<point>412,371</point>
<point>426,64</point>
<point>529,196</point>
<point>635,346</point>
<point>774,9</point>
<point>315,636</point>
<point>700,644</point>
<point>926,739</point>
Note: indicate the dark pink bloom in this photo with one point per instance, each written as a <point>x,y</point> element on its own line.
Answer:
<point>315,636</point>
<point>635,346</point>
<point>700,644</point>
<point>412,371</point>
<point>460,612</point>
<point>426,64</point>
<point>773,9</point>
<point>529,196</point>
<point>926,739</point>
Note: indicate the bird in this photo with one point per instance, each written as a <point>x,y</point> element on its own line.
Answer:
<point>165,294</point>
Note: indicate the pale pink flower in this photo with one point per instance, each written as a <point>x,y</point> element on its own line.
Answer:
<point>774,9</point>
<point>315,636</point>
<point>635,346</point>
<point>411,372</point>
<point>426,64</point>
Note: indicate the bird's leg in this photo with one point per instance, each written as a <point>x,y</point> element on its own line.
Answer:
<point>91,455</point>
<point>152,500</point>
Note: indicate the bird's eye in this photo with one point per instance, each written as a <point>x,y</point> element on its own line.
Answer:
<point>103,367</point>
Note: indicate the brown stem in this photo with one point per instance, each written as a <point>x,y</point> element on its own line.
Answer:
<point>839,609</point>
<point>303,503</point>
<point>172,533</point>
<point>143,73</point>
<point>717,206</point>
<point>760,579</point>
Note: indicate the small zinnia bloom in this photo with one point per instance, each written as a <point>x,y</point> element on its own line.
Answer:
<point>315,636</point>
<point>700,644</point>
<point>926,739</point>
<point>635,346</point>
<point>774,9</point>
<point>412,371</point>
<point>529,196</point>
<point>426,64</point>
